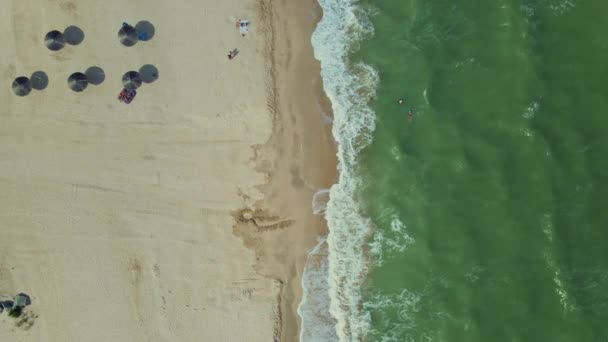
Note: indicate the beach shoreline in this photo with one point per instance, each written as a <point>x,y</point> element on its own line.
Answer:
<point>298,160</point>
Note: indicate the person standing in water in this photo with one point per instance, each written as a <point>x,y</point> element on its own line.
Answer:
<point>410,115</point>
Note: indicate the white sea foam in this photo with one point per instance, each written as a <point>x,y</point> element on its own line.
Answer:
<point>405,304</point>
<point>527,10</point>
<point>396,153</point>
<point>526,132</point>
<point>349,88</point>
<point>386,245</point>
<point>319,201</point>
<point>560,289</point>
<point>531,110</point>
<point>561,6</point>
<point>317,323</point>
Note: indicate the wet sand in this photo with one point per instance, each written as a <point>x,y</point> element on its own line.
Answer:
<point>299,159</point>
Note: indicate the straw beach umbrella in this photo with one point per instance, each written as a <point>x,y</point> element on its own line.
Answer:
<point>54,40</point>
<point>128,35</point>
<point>22,86</point>
<point>78,81</point>
<point>131,80</point>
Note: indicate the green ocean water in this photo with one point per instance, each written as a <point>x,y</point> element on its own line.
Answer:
<point>489,206</point>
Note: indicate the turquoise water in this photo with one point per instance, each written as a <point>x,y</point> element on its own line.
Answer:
<point>482,218</point>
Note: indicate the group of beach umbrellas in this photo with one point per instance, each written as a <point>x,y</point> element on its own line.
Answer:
<point>22,85</point>
<point>56,40</point>
<point>130,35</point>
<point>131,80</point>
<point>79,81</point>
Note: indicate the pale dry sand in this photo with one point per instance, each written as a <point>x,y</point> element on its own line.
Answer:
<point>116,218</point>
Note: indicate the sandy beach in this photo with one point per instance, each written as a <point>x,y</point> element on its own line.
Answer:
<point>299,159</point>
<point>183,216</point>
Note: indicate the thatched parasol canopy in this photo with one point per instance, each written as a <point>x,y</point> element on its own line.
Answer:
<point>78,81</point>
<point>128,35</point>
<point>54,40</point>
<point>145,30</point>
<point>22,86</point>
<point>131,80</point>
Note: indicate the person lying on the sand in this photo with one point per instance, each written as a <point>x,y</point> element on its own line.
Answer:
<point>233,53</point>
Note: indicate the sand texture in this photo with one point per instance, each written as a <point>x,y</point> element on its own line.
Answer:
<point>300,158</point>
<point>117,219</point>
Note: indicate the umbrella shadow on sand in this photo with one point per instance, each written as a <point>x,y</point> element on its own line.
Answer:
<point>148,73</point>
<point>73,35</point>
<point>39,80</point>
<point>95,75</point>
<point>145,30</point>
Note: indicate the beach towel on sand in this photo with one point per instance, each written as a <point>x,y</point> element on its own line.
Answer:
<point>243,27</point>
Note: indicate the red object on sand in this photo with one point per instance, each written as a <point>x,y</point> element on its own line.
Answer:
<point>126,96</point>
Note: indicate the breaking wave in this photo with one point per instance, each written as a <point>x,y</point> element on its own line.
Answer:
<point>317,322</point>
<point>349,87</point>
